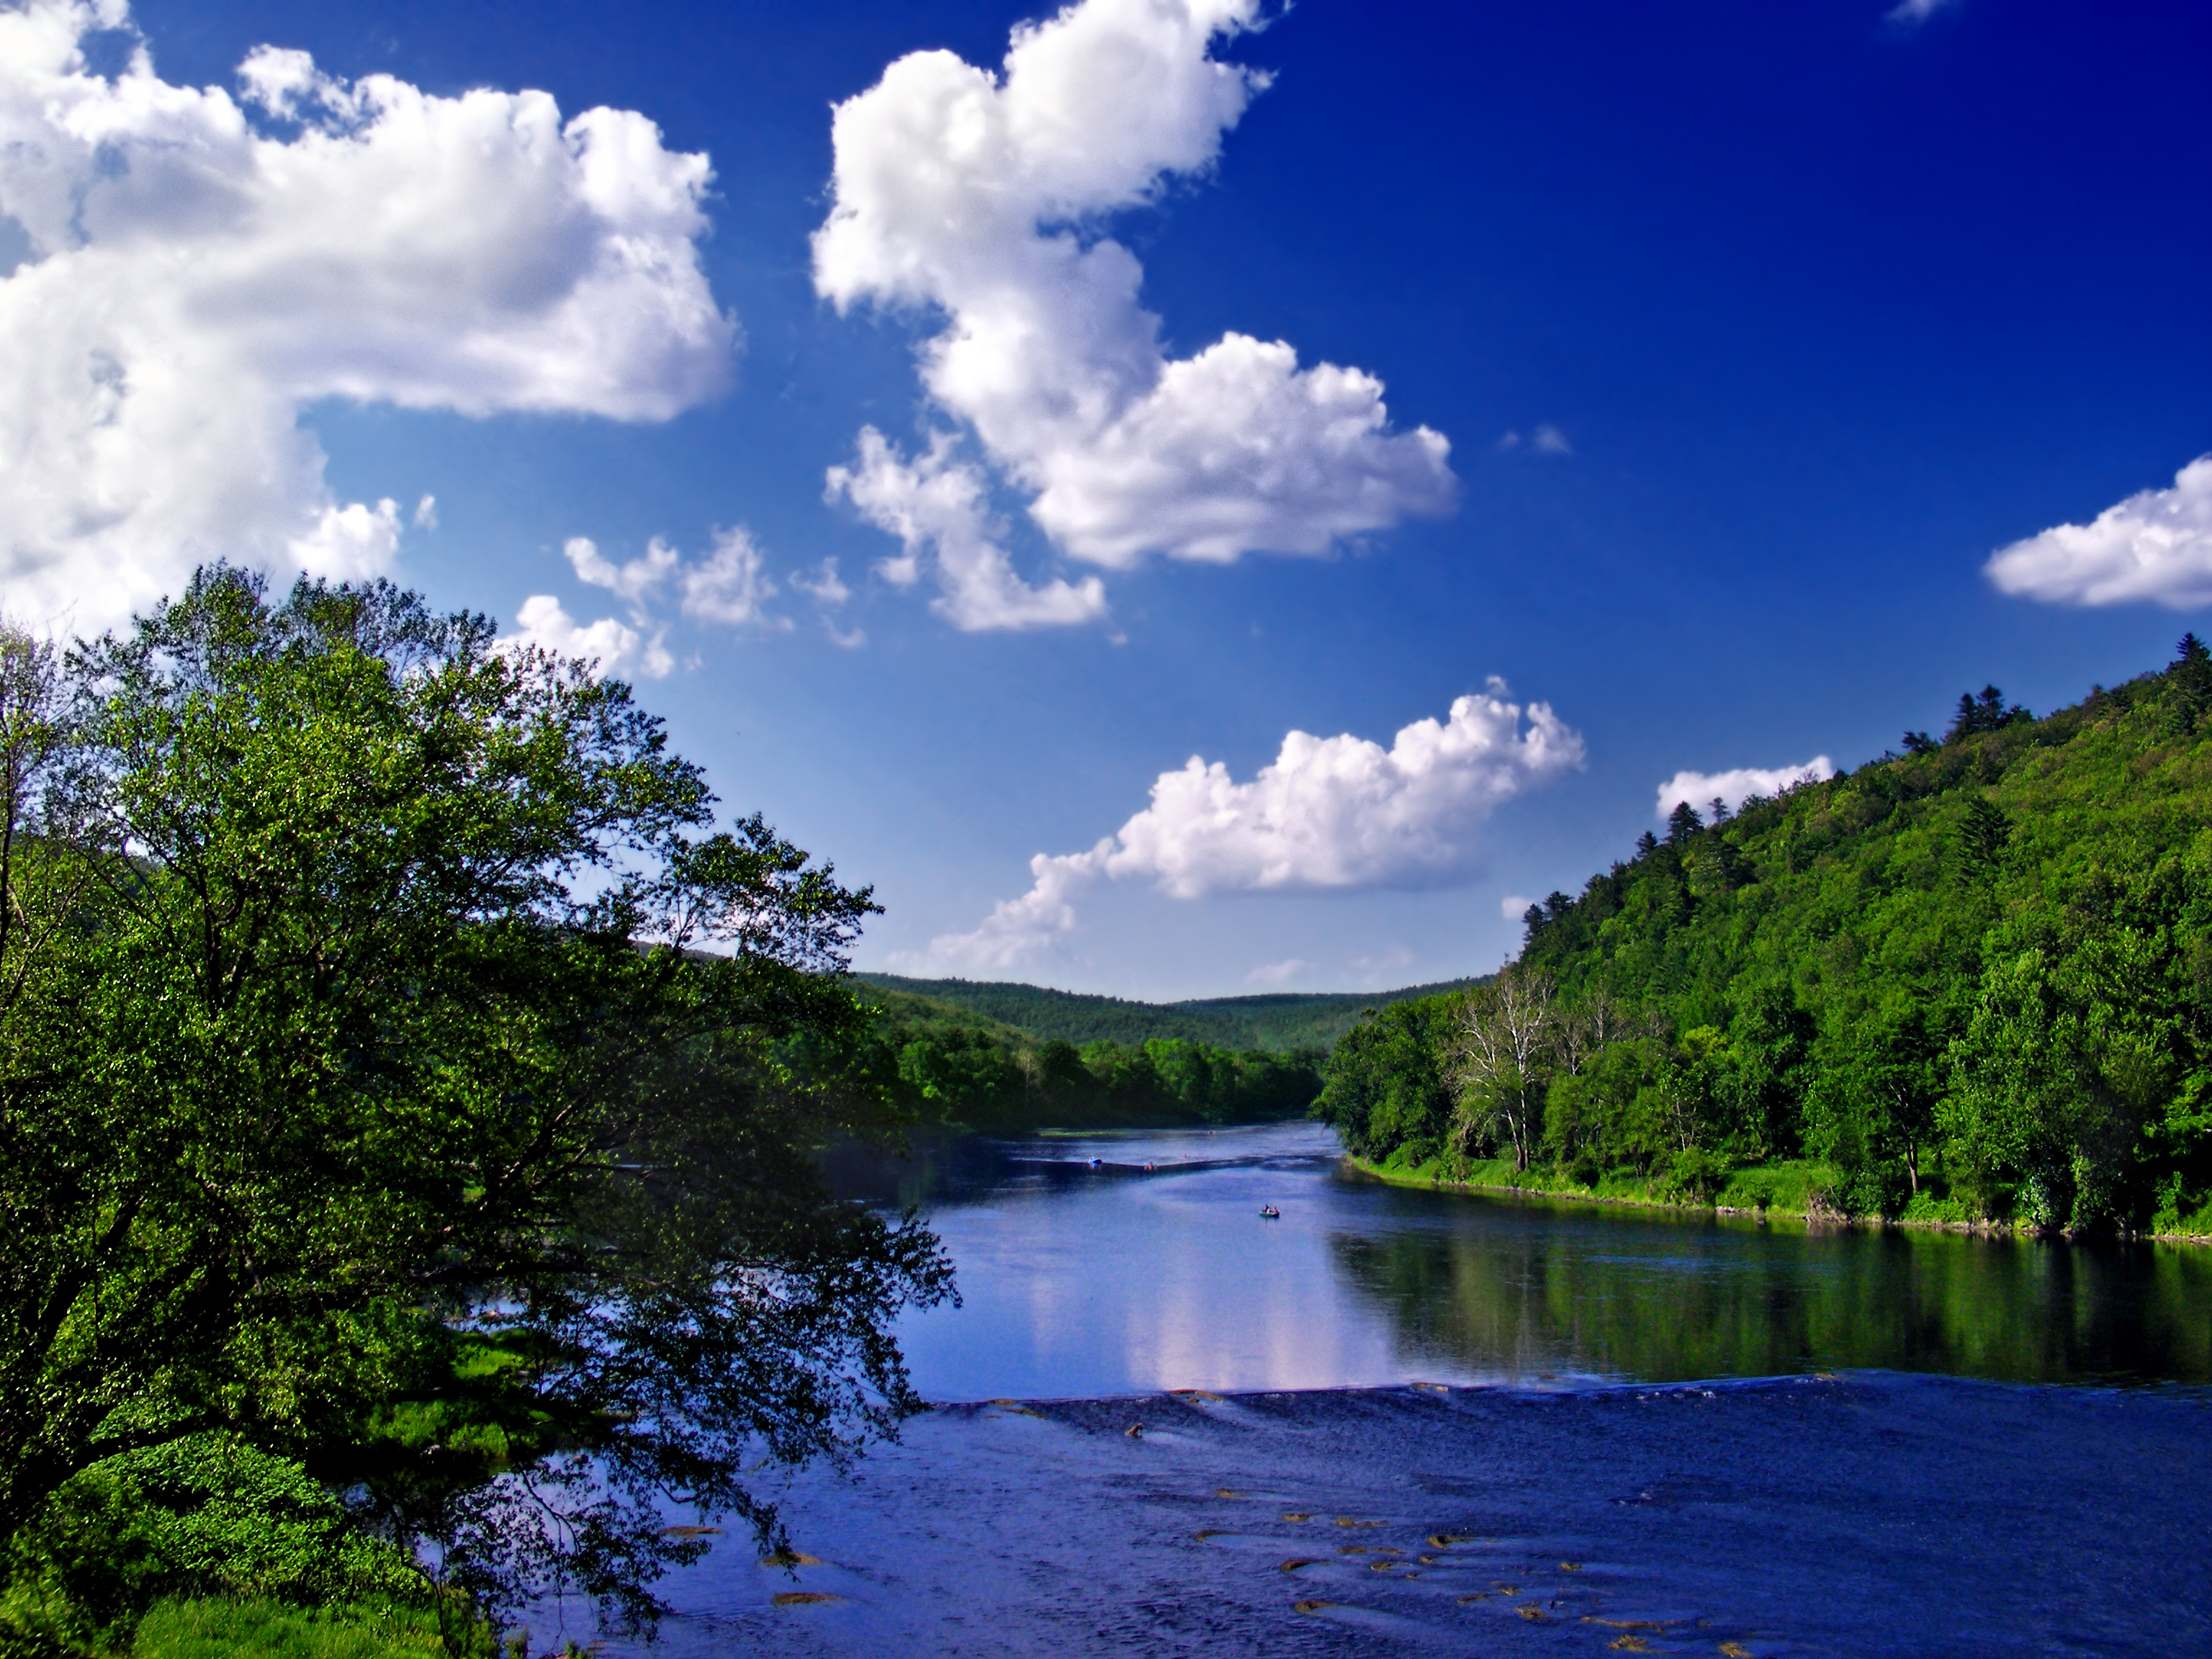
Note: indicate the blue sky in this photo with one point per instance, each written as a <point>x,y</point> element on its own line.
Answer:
<point>1754,332</point>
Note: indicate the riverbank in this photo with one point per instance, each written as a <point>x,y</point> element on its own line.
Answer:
<point>1795,1190</point>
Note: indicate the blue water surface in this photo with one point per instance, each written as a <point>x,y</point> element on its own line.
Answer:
<point>1410,1422</point>
<point>1152,1268</point>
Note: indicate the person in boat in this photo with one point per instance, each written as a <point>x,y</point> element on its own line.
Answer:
<point>1269,1212</point>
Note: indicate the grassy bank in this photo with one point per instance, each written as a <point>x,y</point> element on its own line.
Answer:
<point>1785,1188</point>
<point>244,1628</point>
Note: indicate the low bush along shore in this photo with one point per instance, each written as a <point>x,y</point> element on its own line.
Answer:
<point>1795,1188</point>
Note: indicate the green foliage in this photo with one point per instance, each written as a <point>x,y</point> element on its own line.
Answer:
<point>1986,713</point>
<point>1974,980</point>
<point>248,1628</point>
<point>372,1117</point>
<point>1385,1091</point>
<point>1283,1020</point>
<point>939,1065</point>
<point>206,1514</point>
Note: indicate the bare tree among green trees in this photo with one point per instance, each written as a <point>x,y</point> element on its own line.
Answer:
<point>1508,1043</point>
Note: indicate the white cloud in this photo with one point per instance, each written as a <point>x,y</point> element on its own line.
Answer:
<point>1545,439</point>
<point>2156,546</point>
<point>935,505</point>
<point>829,591</point>
<point>1739,786</point>
<point>616,648</point>
<point>828,588</point>
<point>731,586</point>
<point>343,543</point>
<point>1019,929</point>
<point>980,196</point>
<point>633,582</point>
<point>1279,972</point>
<point>1513,907</point>
<point>199,269</point>
<point>426,513</point>
<point>1327,814</point>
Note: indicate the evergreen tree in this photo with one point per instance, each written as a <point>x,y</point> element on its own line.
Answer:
<point>1986,713</point>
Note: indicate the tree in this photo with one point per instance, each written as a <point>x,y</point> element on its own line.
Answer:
<point>1983,829</point>
<point>1584,1025</point>
<point>1500,1064</point>
<point>1987,713</point>
<point>1386,1091</point>
<point>2191,679</point>
<point>369,1098</point>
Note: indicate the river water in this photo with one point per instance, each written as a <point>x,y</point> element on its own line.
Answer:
<point>1397,1421</point>
<point>1082,1278</point>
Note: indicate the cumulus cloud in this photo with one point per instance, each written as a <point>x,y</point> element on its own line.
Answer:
<point>197,269</point>
<point>935,505</point>
<point>829,591</point>
<point>829,588</point>
<point>612,646</point>
<point>633,581</point>
<point>1736,786</point>
<point>979,196</point>
<point>1327,814</point>
<point>2156,546</point>
<point>732,584</point>
<point>1513,907</point>
<point>1279,972</point>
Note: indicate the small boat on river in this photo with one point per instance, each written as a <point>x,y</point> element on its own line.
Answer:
<point>1269,1212</point>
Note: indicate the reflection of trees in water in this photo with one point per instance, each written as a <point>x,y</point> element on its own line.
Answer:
<point>1525,1292</point>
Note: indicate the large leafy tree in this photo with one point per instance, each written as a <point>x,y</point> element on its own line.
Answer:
<point>394,1082</point>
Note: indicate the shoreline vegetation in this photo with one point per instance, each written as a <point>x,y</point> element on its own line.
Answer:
<point>999,1058</point>
<point>1969,983</point>
<point>1796,1191</point>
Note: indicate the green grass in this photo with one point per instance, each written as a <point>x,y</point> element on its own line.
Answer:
<point>1786,1187</point>
<point>1782,1188</point>
<point>225,1629</point>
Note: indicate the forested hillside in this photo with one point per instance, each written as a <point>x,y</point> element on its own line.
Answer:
<point>1971,981</point>
<point>940,1062</point>
<point>1280,1020</point>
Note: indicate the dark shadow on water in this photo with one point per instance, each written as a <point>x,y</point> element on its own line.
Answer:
<point>1668,1297</point>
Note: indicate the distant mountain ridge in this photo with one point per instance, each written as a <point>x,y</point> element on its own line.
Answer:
<point>1279,1020</point>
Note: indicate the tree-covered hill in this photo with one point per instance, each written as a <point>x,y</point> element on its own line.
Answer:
<point>1280,1020</point>
<point>1971,981</point>
<point>943,1062</point>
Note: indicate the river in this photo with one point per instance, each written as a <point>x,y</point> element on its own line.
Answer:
<point>1403,1421</point>
<point>1081,1279</point>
